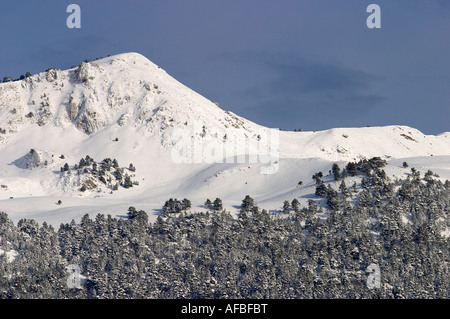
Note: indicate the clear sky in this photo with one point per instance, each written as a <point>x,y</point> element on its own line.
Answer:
<point>310,64</point>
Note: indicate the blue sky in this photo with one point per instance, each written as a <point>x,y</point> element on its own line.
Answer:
<point>290,64</point>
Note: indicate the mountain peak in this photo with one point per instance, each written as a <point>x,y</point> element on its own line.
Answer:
<point>132,58</point>
<point>123,89</point>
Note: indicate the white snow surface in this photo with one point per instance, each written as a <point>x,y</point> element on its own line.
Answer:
<point>81,111</point>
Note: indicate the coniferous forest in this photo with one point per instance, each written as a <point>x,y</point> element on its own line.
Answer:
<point>322,250</point>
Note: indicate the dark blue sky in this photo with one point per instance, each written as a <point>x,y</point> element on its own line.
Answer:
<point>310,64</point>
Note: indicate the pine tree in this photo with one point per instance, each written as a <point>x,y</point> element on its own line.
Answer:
<point>217,205</point>
<point>332,198</point>
<point>295,205</point>
<point>317,177</point>
<point>336,171</point>
<point>127,183</point>
<point>82,163</point>
<point>321,190</point>
<point>351,169</point>
<point>286,207</point>
<point>248,203</point>
<point>344,190</point>
<point>132,212</point>
<point>208,203</point>
<point>186,203</point>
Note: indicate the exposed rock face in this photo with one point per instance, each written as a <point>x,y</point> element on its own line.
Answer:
<point>29,161</point>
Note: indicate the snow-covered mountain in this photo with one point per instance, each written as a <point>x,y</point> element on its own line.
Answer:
<point>119,90</point>
<point>126,108</point>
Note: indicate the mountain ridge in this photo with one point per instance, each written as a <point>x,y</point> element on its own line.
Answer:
<point>129,88</point>
<point>183,145</point>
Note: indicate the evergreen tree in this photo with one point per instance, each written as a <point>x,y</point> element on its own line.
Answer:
<point>317,177</point>
<point>186,204</point>
<point>321,190</point>
<point>295,205</point>
<point>217,205</point>
<point>344,190</point>
<point>336,171</point>
<point>208,204</point>
<point>286,207</point>
<point>351,169</point>
<point>247,203</point>
<point>127,183</point>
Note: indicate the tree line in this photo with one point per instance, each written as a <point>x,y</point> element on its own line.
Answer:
<point>322,250</point>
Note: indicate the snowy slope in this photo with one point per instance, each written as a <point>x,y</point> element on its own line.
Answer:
<point>354,143</point>
<point>182,144</point>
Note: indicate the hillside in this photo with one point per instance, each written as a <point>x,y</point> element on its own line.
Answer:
<point>126,108</point>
